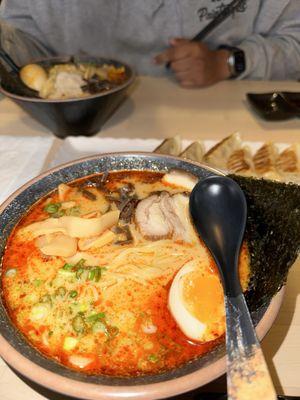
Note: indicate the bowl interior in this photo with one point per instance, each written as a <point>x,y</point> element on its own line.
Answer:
<point>14,208</point>
<point>10,84</point>
<point>272,106</point>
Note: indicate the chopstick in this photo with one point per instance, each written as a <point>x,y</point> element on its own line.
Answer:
<point>222,16</point>
<point>5,57</point>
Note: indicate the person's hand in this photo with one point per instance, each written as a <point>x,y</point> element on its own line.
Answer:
<point>194,64</point>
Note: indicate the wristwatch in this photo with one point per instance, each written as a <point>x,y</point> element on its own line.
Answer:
<point>236,60</point>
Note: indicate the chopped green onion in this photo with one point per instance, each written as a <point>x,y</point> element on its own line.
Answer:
<point>73,294</point>
<point>66,273</point>
<point>91,274</point>
<point>52,208</point>
<point>95,317</point>
<point>37,282</point>
<point>11,272</point>
<point>58,214</point>
<point>97,274</point>
<point>80,263</point>
<point>79,272</point>
<point>83,307</point>
<point>78,324</point>
<point>153,358</point>
<point>70,343</point>
<point>68,267</point>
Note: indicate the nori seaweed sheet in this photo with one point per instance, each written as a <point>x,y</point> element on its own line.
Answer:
<point>272,233</point>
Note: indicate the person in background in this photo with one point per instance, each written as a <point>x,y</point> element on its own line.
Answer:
<point>260,40</point>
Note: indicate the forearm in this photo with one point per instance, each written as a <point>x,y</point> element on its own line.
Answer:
<point>273,50</point>
<point>274,57</point>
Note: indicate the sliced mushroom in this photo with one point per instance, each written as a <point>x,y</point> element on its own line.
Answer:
<point>125,235</point>
<point>128,210</point>
<point>88,194</point>
<point>57,244</point>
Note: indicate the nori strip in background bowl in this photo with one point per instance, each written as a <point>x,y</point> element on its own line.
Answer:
<point>272,234</point>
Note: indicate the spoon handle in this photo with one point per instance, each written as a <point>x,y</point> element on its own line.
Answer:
<point>247,372</point>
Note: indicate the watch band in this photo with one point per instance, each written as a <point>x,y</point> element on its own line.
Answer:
<point>236,60</point>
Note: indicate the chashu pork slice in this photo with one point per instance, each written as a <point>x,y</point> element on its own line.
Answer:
<point>185,229</point>
<point>162,215</point>
<point>151,219</point>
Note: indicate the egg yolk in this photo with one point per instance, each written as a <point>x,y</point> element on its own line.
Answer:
<point>203,296</point>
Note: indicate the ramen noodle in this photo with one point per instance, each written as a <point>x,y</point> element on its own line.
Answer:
<point>107,275</point>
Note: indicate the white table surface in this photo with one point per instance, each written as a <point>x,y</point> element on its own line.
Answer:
<point>158,108</point>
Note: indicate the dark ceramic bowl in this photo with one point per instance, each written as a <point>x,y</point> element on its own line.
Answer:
<point>30,363</point>
<point>73,117</point>
<point>275,106</point>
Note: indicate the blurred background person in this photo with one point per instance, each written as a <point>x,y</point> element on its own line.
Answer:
<point>260,39</point>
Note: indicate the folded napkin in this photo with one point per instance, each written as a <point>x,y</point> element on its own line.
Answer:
<point>21,158</point>
<point>74,148</point>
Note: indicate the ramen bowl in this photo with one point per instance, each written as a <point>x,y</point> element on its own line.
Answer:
<point>72,116</point>
<point>21,356</point>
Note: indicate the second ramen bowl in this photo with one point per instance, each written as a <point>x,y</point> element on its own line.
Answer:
<point>76,116</point>
<point>18,353</point>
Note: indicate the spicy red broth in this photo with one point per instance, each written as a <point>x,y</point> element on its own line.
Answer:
<point>87,276</point>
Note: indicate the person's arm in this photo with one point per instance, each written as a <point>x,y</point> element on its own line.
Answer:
<point>19,33</point>
<point>273,51</point>
<point>194,64</point>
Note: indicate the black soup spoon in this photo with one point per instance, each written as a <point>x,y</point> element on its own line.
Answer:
<point>219,210</point>
<point>10,80</point>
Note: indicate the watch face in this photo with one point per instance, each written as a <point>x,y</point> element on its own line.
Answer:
<point>236,60</point>
<point>239,61</point>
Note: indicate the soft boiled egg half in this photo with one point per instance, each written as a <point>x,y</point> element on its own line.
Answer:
<point>196,302</point>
